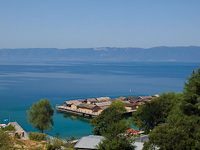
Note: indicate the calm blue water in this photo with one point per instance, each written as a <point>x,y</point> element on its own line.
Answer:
<point>21,85</point>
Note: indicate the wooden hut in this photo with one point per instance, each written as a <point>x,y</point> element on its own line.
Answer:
<point>122,98</point>
<point>74,105</point>
<point>69,103</point>
<point>103,106</point>
<point>138,104</point>
<point>90,108</point>
<point>82,100</point>
<point>91,101</point>
<point>130,106</point>
<point>132,99</point>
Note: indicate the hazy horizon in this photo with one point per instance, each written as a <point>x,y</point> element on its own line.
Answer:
<point>83,24</point>
<point>101,47</point>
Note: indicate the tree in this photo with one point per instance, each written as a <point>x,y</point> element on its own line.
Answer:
<point>149,115</point>
<point>112,117</point>
<point>181,130</point>
<point>191,103</point>
<point>110,123</point>
<point>41,115</point>
<point>5,141</point>
<point>72,138</point>
<point>117,143</point>
<point>119,106</point>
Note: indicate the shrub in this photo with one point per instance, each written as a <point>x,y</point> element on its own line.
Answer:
<point>72,138</point>
<point>37,136</point>
<point>5,141</point>
<point>9,128</point>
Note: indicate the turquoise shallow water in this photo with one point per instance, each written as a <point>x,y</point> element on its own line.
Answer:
<point>23,84</point>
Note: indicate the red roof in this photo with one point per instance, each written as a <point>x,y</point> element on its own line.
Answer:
<point>132,131</point>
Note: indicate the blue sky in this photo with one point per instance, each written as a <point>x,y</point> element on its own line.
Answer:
<point>99,23</point>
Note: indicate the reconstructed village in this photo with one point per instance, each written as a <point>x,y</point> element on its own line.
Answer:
<point>92,107</point>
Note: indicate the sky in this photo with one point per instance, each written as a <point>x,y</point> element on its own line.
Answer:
<point>99,23</point>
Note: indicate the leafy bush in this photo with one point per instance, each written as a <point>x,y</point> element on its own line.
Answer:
<point>72,138</point>
<point>37,136</point>
<point>5,141</point>
<point>9,128</point>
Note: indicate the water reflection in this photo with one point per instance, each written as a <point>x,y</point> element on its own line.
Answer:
<point>75,117</point>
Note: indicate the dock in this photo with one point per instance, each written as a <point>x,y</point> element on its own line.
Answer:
<point>92,107</point>
<point>62,108</point>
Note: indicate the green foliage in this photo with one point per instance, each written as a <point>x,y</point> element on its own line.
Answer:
<point>41,115</point>
<point>177,133</point>
<point>72,138</point>
<point>37,136</point>
<point>149,115</point>
<point>191,103</point>
<point>9,128</point>
<point>181,130</point>
<point>57,143</point>
<point>109,122</point>
<point>119,106</point>
<point>117,143</point>
<point>5,141</point>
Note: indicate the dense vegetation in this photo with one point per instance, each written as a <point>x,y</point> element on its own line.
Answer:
<point>173,118</point>
<point>37,136</point>
<point>9,128</point>
<point>41,115</point>
<point>110,123</point>
<point>5,141</point>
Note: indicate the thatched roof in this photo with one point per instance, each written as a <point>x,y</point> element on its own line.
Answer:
<point>116,99</point>
<point>139,103</point>
<point>145,100</point>
<point>134,101</point>
<point>146,97</point>
<point>103,98</point>
<point>91,99</point>
<point>122,98</point>
<point>103,107</point>
<point>103,104</point>
<point>128,104</point>
<point>82,100</point>
<point>132,98</point>
<point>87,106</point>
<point>77,103</point>
<point>155,95</point>
<point>70,102</point>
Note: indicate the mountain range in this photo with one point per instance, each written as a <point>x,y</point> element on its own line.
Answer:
<point>158,54</point>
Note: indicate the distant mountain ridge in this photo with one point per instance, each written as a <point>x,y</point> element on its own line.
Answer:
<point>178,54</point>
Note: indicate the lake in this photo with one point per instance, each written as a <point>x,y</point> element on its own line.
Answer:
<point>23,84</point>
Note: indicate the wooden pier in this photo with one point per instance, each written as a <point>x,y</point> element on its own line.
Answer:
<point>75,111</point>
<point>62,108</point>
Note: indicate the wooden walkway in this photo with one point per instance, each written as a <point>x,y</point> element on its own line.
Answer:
<point>75,111</point>
<point>82,113</point>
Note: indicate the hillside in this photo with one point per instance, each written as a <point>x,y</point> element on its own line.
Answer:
<point>178,54</point>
